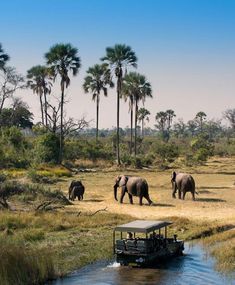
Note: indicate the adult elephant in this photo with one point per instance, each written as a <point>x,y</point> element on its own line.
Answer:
<point>184,182</point>
<point>133,186</point>
<point>77,192</point>
<point>76,189</point>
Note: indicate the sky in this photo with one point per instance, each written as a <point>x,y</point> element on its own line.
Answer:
<point>185,48</point>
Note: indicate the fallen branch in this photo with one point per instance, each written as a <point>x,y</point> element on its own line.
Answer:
<point>47,206</point>
<point>105,209</point>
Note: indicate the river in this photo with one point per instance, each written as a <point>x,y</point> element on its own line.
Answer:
<point>196,267</point>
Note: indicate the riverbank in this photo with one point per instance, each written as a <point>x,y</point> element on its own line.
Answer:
<point>66,238</point>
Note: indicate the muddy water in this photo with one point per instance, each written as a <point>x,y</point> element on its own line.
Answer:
<point>195,267</point>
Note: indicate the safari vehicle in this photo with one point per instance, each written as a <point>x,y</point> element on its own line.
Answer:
<point>147,244</point>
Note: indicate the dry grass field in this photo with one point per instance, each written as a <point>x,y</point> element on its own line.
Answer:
<point>215,184</point>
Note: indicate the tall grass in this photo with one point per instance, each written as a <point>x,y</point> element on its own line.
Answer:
<point>19,265</point>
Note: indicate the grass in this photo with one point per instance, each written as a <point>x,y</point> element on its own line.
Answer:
<point>74,237</point>
<point>19,265</point>
<point>222,247</point>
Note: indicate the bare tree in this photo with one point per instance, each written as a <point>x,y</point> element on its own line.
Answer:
<point>70,125</point>
<point>10,81</point>
<point>230,116</point>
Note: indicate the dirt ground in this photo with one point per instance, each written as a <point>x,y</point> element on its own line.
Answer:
<point>215,184</point>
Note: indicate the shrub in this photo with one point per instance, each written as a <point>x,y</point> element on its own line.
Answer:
<point>167,152</point>
<point>201,148</point>
<point>47,148</point>
<point>31,192</point>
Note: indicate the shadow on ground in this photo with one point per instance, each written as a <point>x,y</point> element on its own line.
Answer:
<point>162,205</point>
<point>93,200</point>
<point>214,200</point>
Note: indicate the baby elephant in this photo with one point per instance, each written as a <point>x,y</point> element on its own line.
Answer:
<point>76,190</point>
<point>184,183</point>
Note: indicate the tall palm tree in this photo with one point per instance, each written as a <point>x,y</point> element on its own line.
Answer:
<point>141,116</point>
<point>161,118</point>
<point>140,88</point>
<point>39,81</point>
<point>62,59</point>
<point>97,80</point>
<point>119,58</point>
<point>170,115</point>
<point>3,58</point>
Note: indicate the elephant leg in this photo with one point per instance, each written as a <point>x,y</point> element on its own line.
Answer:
<point>184,192</point>
<point>179,194</point>
<point>193,196</point>
<point>174,192</point>
<point>140,202</point>
<point>130,198</point>
<point>122,194</point>
<point>148,199</point>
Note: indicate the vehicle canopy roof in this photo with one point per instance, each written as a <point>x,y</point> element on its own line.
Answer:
<point>142,226</point>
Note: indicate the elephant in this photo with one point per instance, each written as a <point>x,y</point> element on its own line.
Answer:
<point>77,192</point>
<point>184,183</point>
<point>133,186</point>
<point>76,189</point>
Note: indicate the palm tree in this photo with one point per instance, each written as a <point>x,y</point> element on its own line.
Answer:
<point>170,114</point>
<point>137,85</point>
<point>97,80</point>
<point>3,58</point>
<point>39,81</point>
<point>142,114</point>
<point>63,58</point>
<point>161,118</point>
<point>119,58</point>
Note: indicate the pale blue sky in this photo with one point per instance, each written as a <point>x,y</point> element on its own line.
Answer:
<point>186,49</point>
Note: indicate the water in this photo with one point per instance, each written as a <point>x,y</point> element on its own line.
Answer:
<point>195,267</point>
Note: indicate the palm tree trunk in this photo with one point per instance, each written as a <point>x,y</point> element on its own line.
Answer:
<point>136,111</point>
<point>45,109</point>
<point>131,127</point>
<point>118,111</point>
<point>97,116</point>
<point>61,123</point>
<point>41,105</point>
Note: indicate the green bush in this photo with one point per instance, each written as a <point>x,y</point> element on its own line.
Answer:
<point>84,149</point>
<point>202,148</point>
<point>47,148</point>
<point>14,148</point>
<point>166,152</point>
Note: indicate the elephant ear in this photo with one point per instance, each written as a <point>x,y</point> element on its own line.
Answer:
<point>123,180</point>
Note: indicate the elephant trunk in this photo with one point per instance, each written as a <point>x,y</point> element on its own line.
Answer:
<point>115,191</point>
